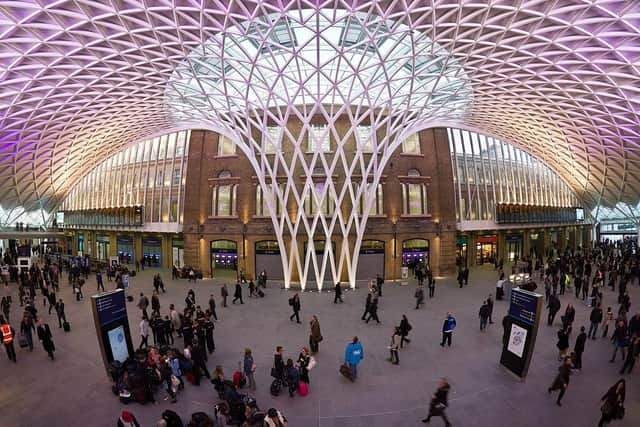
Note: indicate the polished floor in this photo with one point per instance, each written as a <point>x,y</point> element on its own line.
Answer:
<point>75,391</point>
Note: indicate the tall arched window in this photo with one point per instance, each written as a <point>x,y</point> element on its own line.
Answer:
<point>223,200</point>
<point>414,194</point>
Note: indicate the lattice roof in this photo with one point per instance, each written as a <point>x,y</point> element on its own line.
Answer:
<point>81,79</point>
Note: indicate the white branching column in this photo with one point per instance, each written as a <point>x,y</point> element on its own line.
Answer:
<point>318,68</point>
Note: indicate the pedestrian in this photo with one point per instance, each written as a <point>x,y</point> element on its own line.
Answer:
<point>304,360</point>
<point>613,403</point>
<point>167,328</point>
<point>405,328</point>
<point>393,346</point>
<point>249,367</point>
<point>578,348</point>
<point>367,305</point>
<point>561,382</point>
<point>275,419</point>
<point>224,292</point>
<point>595,318</point>
<point>143,303</point>
<point>353,355</point>
<point>439,402</point>
<point>60,312</point>
<point>198,357</point>
<point>208,333</point>
<point>563,343</point>
<point>484,315</point>
<point>419,296</point>
<point>237,295</point>
<point>337,293</point>
<point>190,299</point>
<point>373,310</point>
<point>212,307</point>
<point>447,329</point>
<point>292,377</point>
<point>294,302</point>
<point>608,320</point>
<point>8,336</point>
<point>127,420</point>
<point>252,288</point>
<point>144,332</point>
<point>278,370</point>
<point>619,339</point>
<point>99,280</point>
<point>632,354</point>
<point>174,316</point>
<point>44,335</point>
<point>155,303</point>
<point>27,328</point>
<point>379,283</point>
<point>432,285</point>
<point>315,337</point>
<point>554,306</point>
<point>569,316</point>
<point>6,306</point>
<point>466,276</point>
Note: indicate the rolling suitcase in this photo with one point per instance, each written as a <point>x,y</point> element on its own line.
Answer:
<point>276,387</point>
<point>303,388</point>
<point>22,341</point>
<point>66,326</point>
<point>260,293</point>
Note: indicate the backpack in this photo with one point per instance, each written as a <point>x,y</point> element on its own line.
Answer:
<point>291,301</point>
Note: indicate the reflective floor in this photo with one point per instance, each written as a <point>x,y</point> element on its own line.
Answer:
<point>75,391</point>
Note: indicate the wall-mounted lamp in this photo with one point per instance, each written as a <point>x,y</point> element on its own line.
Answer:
<point>438,228</point>
<point>394,229</point>
<point>244,234</point>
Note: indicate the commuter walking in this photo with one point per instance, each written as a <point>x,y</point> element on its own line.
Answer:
<point>155,304</point>
<point>484,315</point>
<point>294,302</point>
<point>554,306</point>
<point>405,328</point>
<point>60,312</point>
<point>353,355</point>
<point>373,310</point>
<point>249,367</point>
<point>144,332</point>
<point>379,283</point>
<point>595,318</point>
<point>27,328</point>
<point>561,382</point>
<point>315,337</point>
<point>8,336</point>
<point>447,329</point>
<point>224,292</point>
<point>367,305</point>
<point>578,348</point>
<point>619,339</point>
<point>337,293</point>
<point>237,295</point>
<point>99,280</point>
<point>608,320</point>
<point>44,335</point>
<point>419,296</point>
<point>143,303</point>
<point>432,286</point>
<point>613,403</point>
<point>439,402</point>
<point>490,305</point>
<point>212,307</point>
<point>632,355</point>
<point>563,343</point>
<point>393,346</point>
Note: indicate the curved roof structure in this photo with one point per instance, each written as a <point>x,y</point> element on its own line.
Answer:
<point>81,79</point>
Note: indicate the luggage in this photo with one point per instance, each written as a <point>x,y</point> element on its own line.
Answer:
<point>239,379</point>
<point>22,341</point>
<point>345,370</point>
<point>66,326</point>
<point>303,388</point>
<point>260,293</point>
<point>172,419</point>
<point>129,298</point>
<point>276,387</point>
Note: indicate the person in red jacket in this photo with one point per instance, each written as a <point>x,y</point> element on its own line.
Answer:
<point>127,419</point>
<point>8,334</point>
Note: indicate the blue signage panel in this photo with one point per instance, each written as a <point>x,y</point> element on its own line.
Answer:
<point>524,305</point>
<point>513,237</point>
<point>111,306</point>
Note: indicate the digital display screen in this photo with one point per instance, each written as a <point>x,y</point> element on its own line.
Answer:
<point>118,344</point>
<point>60,218</point>
<point>579,214</point>
<point>111,306</point>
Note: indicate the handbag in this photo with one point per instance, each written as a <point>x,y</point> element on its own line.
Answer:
<point>312,363</point>
<point>319,339</point>
<point>175,382</point>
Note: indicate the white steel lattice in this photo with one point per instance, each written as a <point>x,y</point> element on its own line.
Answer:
<point>80,79</point>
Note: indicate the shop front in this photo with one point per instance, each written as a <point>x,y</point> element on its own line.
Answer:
<point>415,252</point>
<point>177,252</point>
<point>268,259</point>
<point>514,246</point>
<point>102,247</point>
<point>486,248</point>
<point>224,258</point>
<point>80,244</point>
<point>124,249</point>
<point>371,260</point>
<point>152,251</point>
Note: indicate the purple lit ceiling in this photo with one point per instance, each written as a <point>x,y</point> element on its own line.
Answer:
<point>81,79</point>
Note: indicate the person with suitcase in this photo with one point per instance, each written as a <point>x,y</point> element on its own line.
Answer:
<point>293,377</point>
<point>44,335</point>
<point>353,355</point>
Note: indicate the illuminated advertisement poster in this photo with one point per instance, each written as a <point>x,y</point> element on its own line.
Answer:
<point>516,340</point>
<point>118,344</point>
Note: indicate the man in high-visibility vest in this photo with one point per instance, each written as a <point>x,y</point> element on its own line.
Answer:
<point>8,333</point>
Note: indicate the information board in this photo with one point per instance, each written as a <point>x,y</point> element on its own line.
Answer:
<point>111,306</point>
<point>524,305</point>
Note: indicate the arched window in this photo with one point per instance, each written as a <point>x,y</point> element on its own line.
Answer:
<point>414,195</point>
<point>225,146</point>
<point>262,209</point>
<point>377,205</point>
<point>223,200</point>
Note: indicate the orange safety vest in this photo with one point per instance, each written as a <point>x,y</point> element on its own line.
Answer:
<point>7,336</point>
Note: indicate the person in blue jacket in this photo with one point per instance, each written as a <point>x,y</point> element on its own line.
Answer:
<point>353,354</point>
<point>447,329</point>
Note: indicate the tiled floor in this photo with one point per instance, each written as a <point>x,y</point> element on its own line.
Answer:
<point>74,390</point>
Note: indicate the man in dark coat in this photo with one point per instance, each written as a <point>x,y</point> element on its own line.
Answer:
<point>579,348</point>
<point>367,305</point>
<point>561,382</point>
<point>237,295</point>
<point>44,335</point>
<point>373,310</point>
<point>338,294</point>
<point>198,357</point>
<point>208,329</point>
<point>554,307</point>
